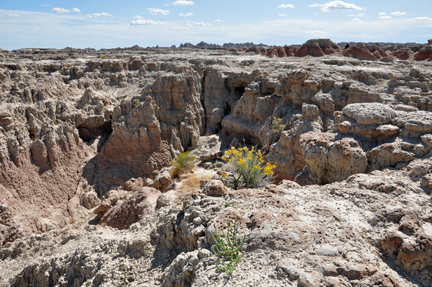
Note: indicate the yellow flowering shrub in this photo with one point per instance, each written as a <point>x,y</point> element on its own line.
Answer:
<point>248,167</point>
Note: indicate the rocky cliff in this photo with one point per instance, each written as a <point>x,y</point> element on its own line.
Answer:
<point>81,130</point>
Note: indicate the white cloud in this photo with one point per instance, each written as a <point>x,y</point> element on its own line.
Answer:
<point>217,20</point>
<point>254,29</point>
<point>45,5</point>
<point>382,14</point>
<point>166,4</point>
<point>357,20</point>
<point>76,10</point>
<point>137,17</point>
<point>13,15</point>
<point>357,15</point>
<point>286,6</point>
<point>317,32</point>
<point>188,24</point>
<point>147,22</point>
<point>103,14</point>
<point>385,17</point>
<point>60,10</point>
<point>182,3</point>
<point>421,19</point>
<point>155,11</point>
<point>186,15</point>
<point>282,15</point>
<point>222,29</point>
<point>202,24</point>
<point>397,13</point>
<point>179,28</point>
<point>336,5</point>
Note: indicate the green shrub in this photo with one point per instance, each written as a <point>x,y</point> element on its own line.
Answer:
<point>228,248</point>
<point>278,125</point>
<point>182,163</point>
<point>248,167</point>
<point>137,102</point>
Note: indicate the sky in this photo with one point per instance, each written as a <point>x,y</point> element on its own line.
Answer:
<point>124,23</point>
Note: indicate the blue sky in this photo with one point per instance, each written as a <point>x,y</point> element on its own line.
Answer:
<point>116,23</point>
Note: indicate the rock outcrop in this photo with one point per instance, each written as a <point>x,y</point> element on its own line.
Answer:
<point>86,139</point>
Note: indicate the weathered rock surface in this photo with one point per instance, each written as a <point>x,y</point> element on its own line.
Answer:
<point>132,209</point>
<point>305,236</point>
<point>82,138</point>
<point>330,159</point>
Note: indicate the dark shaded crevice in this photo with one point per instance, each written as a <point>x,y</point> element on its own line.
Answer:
<point>87,134</point>
<point>102,132</point>
<point>218,127</point>
<point>227,110</point>
<point>202,97</point>
<point>239,91</point>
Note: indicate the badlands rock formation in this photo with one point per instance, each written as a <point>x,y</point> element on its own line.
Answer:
<point>86,198</point>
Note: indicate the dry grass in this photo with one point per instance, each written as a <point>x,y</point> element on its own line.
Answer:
<point>188,182</point>
<point>191,181</point>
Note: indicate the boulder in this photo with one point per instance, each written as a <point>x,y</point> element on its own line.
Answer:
<point>214,188</point>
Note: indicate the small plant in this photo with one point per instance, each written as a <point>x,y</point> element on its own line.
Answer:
<point>229,204</point>
<point>137,102</point>
<point>182,163</point>
<point>227,248</point>
<point>118,57</point>
<point>278,125</point>
<point>248,167</point>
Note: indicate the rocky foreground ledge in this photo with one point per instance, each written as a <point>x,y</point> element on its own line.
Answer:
<point>85,139</point>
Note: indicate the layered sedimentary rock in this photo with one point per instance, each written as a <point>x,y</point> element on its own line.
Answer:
<point>78,132</point>
<point>361,51</point>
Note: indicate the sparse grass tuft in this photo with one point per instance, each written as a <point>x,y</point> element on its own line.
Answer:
<point>182,164</point>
